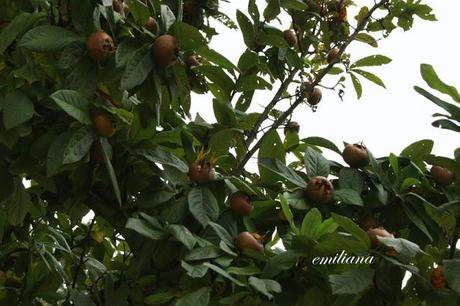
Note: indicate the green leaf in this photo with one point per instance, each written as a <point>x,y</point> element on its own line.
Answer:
<point>248,60</point>
<point>351,179</point>
<point>48,38</point>
<point>275,40</point>
<point>234,298</point>
<point>56,153</point>
<point>282,170</point>
<point>219,78</point>
<point>373,60</point>
<point>139,11</point>
<point>272,10</point>
<point>198,297</point>
<point>322,142</point>
<point>452,109</point>
<point>159,298</point>
<point>293,4</point>
<point>81,15</point>
<point>432,79</point>
<point>182,234</point>
<point>279,263</point>
<point>271,147</point>
<point>224,273</point>
<point>195,271</point>
<point>222,233</point>
<point>287,212</point>
<point>368,39</point>
<point>78,145</point>
<point>348,196</point>
<point>246,28</point>
<point>265,286</point>
<point>406,249</point>
<point>353,229</point>
<point>106,153</point>
<point>81,298</point>
<point>17,109</point>
<point>203,205</point>
<point>215,57</point>
<point>315,163</point>
<point>138,68</point>
<point>370,76</point>
<point>352,282</point>
<point>188,36</point>
<point>413,216</point>
<point>246,270</point>
<point>125,51</point>
<point>446,124</point>
<point>73,104</point>
<point>206,252</point>
<point>357,85</point>
<point>163,156</point>
<point>18,205</point>
<point>452,273</point>
<point>143,228</point>
<point>418,150</point>
<point>224,113</point>
<point>19,24</point>
<point>310,223</point>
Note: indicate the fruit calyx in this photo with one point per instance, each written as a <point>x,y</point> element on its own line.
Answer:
<point>356,155</point>
<point>240,203</point>
<point>165,50</point>
<point>201,171</point>
<point>100,46</point>
<point>319,190</point>
<point>246,240</point>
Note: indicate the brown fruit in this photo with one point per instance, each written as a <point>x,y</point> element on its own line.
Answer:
<point>355,155</point>
<point>368,222</point>
<point>99,46</point>
<point>192,61</point>
<point>151,25</point>
<point>292,126</point>
<point>103,124</point>
<point>240,203</point>
<point>332,55</point>
<point>290,38</point>
<point>246,240</point>
<point>315,96</point>
<point>319,190</point>
<point>437,277</point>
<point>165,50</point>
<point>201,173</point>
<point>378,231</point>
<point>442,176</point>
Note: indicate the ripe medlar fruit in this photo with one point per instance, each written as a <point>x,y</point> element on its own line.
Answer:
<point>437,277</point>
<point>165,50</point>
<point>100,46</point>
<point>442,176</point>
<point>240,203</point>
<point>246,240</point>
<point>319,190</point>
<point>356,155</point>
<point>103,125</point>
<point>315,96</point>
<point>332,55</point>
<point>290,37</point>
<point>378,231</point>
<point>151,25</point>
<point>201,172</point>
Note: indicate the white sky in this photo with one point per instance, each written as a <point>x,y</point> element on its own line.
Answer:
<point>386,120</point>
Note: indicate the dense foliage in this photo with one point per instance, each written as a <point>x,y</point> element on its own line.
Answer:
<point>111,194</point>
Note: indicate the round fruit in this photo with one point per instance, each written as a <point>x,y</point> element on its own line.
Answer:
<point>319,190</point>
<point>315,96</point>
<point>332,55</point>
<point>99,46</point>
<point>240,203</point>
<point>165,50</point>
<point>192,61</point>
<point>355,155</point>
<point>290,38</point>
<point>437,277</point>
<point>151,25</point>
<point>292,126</point>
<point>246,240</point>
<point>201,173</point>
<point>378,231</point>
<point>442,176</point>
<point>368,222</point>
<point>103,124</point>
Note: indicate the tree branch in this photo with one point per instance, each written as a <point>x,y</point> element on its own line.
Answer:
<point>299,100</point>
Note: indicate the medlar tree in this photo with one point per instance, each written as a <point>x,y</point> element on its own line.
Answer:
<point>111,194</point>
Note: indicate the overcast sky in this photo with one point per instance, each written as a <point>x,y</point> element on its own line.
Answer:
<point>386,120</point>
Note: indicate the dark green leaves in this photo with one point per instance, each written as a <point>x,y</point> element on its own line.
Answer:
<point>199,297</point>
<point>373,60</point>
<point>17,109</point>
<point>281,169</point>
<point>452,274</point>
<point>73,104</point>
<point>351,282</point>
<point>137,68</point>
<point>78,145</point>
<point>182,234</point>
<point>432,79</point>
<point>418,150</point>
<point>145,227</point>
<point>315,163</point>
<point>162,156</point>
<point>353,229</point>
<point>203,205</point>
<point>19,24</point>
<point>48,38</point>
<point>265,286</point>
<point>188,36</point>
<point>272,10</point>
<point>246,28</point>
<point>348,196</point>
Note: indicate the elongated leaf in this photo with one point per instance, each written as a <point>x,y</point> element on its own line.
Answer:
<point>351,282</point>
<point>452,273</point>
<point>417,151</point>
<point>246,28</point>
<point>203,205</point>
<point>78,145</point>
<point>162,156</point>
<point>406,249</point>
<point>279,263</point>
<point>195,271</point>
<point>106,153</point>
<point>411,213</point>
<point>222,233</point>
<point>182,234</point>
<point>223,273</point>
<point>215,57</point>
<point>74,104</point>
<point>357,85</point>
<point>446,124</point>
<point>352,228</point>
<point>370,76</point>
<point>316,164</point>
<point>453,110</point>
<point>188,36</point>
<point>199,297</point>
<point>272,10</point>
<point>373,60</point>
<point>48,38</point>
<point>142,228</point>
<point>310,223</point>
<point>281,169</point>
<point>20,23</point>
<point>159,298</point>
<point>368,39</point>
<point>206,252</point>
<point>138,68</point>
<point>293,4</point>
<point>348,196</point>
<point>17,109</point>
<point>265,286</point>
<point>322,142</point>
<point>432,79</point>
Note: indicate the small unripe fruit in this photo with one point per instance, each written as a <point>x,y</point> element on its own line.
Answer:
<point>356,155</point>
<point>442,176</point>
<point>437,277</point>
<point>290,38</point>
<point>332,55</point>
<point>165,50</point>
<point>246,240</point>
<point>315,96</point>
<point>151,25</point>
<point>103,124</point>
<point>201,173</point>
<point>99,46</point>
<point>240,203</point>
<point>319,190</point>
<point>379,231</point>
